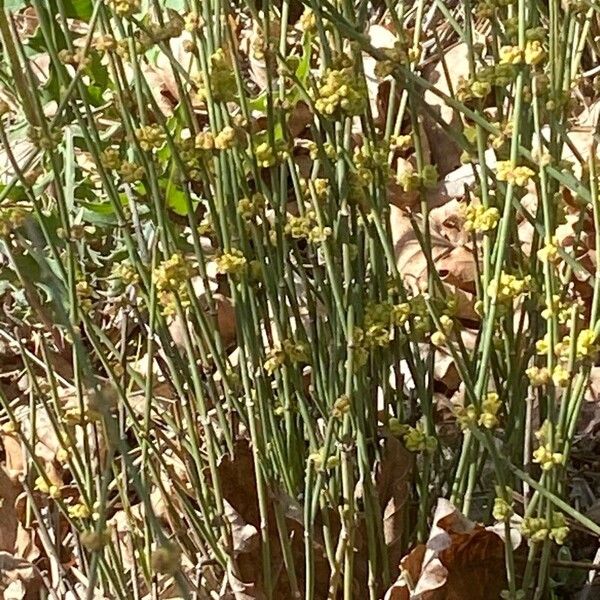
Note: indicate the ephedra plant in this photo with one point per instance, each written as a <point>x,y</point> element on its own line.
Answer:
<point>299,300</point>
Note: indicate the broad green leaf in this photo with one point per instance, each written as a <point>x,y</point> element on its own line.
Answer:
<point>79,9</point>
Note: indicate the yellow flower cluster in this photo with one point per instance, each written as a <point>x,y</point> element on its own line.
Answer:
<point>79,511</point>
<point>534,52</point>
<point>561,376</point>
<point>380,320</point>
<point>586,345</point>
<point>469,416</point>
<point>125,8</point>
<point>307,20</point>
<point>549,252</point>
<point>341,406</point>
<point>205,140</point>
<point>481,84</point>
<point>507,171</point>
<point>76,58</point>
<point>359,348</point>
<point>480,219</point>
<point>290,352</point>
<point>84,293</point>
<point>150,137</point>
<point>341,91</point>
<point>356,192</point>
<point>510,55</point>
<point>416,440</point>
<point>307,228</point>
<point>268,155</point>
<point>502,510</point>
<point>43,486</point>
<point>104,43</point>
<point>410,180</point>
<point>170,278</point>
<point>369,160</point>
<point>402,53</point>
<point>126,273</point>
<point>233,262</point>
<point>546,458</point>
<point>544,455</point>
<point>509,288</point>
<point>440,337</point>
<point>489,411</point>
<point>321,463</point>
<point>558,307</point>
<point>538,376</point>
<point>110,158</point>
<point>250,208</point>
<point>401,142</point>
<point>229,137</point>
<point>321,189</point>
<point>537,529</point>
<point>131,172</point>
<point>192,21</point>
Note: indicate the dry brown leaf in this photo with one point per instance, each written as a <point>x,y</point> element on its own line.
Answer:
<point>225,315</point>
<point>160,78</point>
<point>299,119</point>
<point>21,575</point>
<point>379,37</point>
<point>398,197</point>
<point>458,552</point>
<point>450,252</point>
<point>445,152</point>
<point>237,476</point>
<point>392,483</point>
<point>9,490</point>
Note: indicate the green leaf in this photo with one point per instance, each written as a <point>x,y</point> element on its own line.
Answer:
<point>15,5</point>
<point>17,192</point>
<point>79,9</point>
<point>302,71</point>
<point>304,67</point>
<point>259,103</point>
<point>100,213</point>
<point>176,201</point>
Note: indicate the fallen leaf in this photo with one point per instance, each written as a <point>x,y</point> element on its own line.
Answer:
<point>451,254</point>
<point>225,317</point>
<point>445,152</point>
<point>21,574</point>
<point>9,490</point>
<point>378,89</point>
<point>393,484</point>
<point>457,553</point>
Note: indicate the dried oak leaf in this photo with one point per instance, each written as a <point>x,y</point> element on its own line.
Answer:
<point>238,484</point>
<point>451,254</point>
<point>460,561</point>
<point>9,490</point>
<point>392,483</point>
<point>18,578</point>
<point>445,152</point>
<point>380,37</point>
